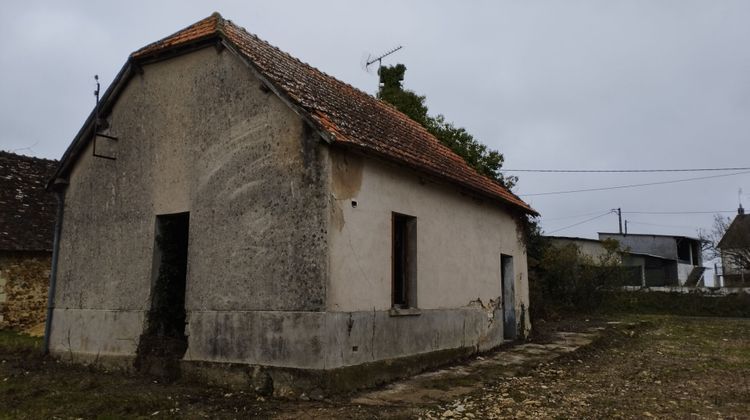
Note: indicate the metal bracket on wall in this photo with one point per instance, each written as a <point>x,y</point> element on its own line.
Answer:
<point>108,138</point>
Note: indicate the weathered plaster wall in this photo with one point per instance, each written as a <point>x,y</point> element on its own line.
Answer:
<point>196,133</point>
<point>24,279</point>
<point>460,240</point>
<point>459,243</point>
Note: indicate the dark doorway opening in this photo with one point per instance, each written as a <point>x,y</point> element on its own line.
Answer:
<point>509,299</point>
<point>163,342</point>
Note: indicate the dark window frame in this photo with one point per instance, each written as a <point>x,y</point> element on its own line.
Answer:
<point>403,261</point>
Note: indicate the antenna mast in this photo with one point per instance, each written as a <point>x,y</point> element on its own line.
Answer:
<point>379,59</point>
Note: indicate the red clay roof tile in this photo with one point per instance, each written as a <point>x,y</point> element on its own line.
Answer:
<point>348,115</point>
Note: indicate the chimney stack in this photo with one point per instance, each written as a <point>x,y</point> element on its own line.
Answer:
<point>740,210</point>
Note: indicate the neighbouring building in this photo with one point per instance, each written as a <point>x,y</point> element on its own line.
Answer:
<point>590,247</point>
<point>231,207</point>
<point>600,252</point>
<point>27,219</point>
<point>663,260</point>
<point>735,252</point>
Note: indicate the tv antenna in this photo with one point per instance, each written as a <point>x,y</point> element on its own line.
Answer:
<point>379,59</point>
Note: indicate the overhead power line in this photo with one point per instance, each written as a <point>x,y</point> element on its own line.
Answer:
<point>627,170</point>
<point>665,213</point>
<point>616,187</point>
<point>679,212</point>
<point>580,223</point>
<point>575,216</point>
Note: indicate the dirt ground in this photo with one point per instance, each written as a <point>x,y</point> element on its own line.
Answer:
<point>667,368</point>
<point>646,366</point>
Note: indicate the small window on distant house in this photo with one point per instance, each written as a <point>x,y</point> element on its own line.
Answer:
<point>404,261</point>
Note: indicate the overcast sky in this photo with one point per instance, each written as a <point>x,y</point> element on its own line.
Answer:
<point>551,84</point>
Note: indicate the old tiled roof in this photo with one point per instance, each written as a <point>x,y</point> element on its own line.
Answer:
<point>737,234</point>
<point>347,115</point>
<point>27,211</point>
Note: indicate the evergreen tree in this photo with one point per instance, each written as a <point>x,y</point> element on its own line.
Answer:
<point>486,161</point>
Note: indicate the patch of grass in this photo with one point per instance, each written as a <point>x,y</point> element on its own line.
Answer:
<point>684,304</point>
<point>36,386</point>
<point>13,342</point>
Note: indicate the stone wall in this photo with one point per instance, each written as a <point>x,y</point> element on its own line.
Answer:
<point>24,279</point>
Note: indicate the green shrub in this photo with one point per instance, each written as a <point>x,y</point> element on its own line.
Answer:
<point>566,280</point>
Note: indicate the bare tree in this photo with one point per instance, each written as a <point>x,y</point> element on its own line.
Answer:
<point>736,255</point>
<point>710,238</point>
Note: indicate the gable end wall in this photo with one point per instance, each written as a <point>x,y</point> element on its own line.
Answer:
<point>196,133</point>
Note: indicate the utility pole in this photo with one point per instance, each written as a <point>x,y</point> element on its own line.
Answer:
<point>619,217</point>
<point>626,227</point>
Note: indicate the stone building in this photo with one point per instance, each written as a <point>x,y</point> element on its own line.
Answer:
<point>27,218</point>
<point>233,208</point>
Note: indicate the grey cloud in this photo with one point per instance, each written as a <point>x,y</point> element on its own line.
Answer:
<point>574,84</point>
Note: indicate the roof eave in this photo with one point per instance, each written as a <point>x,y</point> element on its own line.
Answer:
<point>437,175</point>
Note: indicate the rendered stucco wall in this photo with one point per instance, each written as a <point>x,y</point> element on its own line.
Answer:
<point>460,240</point>
<point>196,133</point>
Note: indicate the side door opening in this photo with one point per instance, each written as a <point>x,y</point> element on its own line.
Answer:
<point>163,342</point>
<point>509,300</point>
